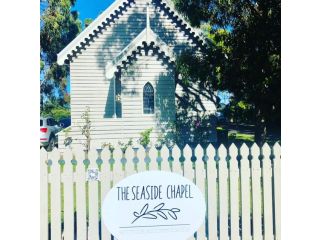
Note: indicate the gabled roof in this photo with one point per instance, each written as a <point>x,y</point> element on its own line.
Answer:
<point>106,18</point>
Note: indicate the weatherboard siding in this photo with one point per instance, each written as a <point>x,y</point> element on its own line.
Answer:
<point>90,87</point>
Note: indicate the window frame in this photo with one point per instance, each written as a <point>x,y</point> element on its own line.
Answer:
<point>154,96</point>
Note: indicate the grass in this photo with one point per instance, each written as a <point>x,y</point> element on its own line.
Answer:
<point>241,136</point>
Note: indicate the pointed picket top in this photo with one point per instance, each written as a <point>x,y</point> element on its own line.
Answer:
<point>222,152</point>
<point>153,154</point>
<point>198,151</point>
<point>233,152</point>
<point>92,156</point>
<point>244,151</point>
<point>80,157</point>
<point>43,151</point>
<point>43,155</point>
<point>165,153</point>
<point>129,155</point>
<point>211,152</point>
<point>255,152</point>
<point>165,165</point>
<point>44,161</point>
<point>140,152</point>
<point>176,152</point>
<point>176,164</point>
<point>105,154</point>
<point>187,152</point>
<point>117,153</point>
<point>277,150</point>
<point>266,151</point>
<point>54,155</point>
<point>67,155</point>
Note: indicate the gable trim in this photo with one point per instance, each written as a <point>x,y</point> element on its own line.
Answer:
<point>147,36</point>
<point>107,17</point>
<point>93,29</point>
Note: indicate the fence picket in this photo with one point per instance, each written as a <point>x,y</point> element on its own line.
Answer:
<point>245,193</point>
<point>44,216</point>
<point>165,165</point>
<point>130,164</point>
<point>93,228</point>
<point>277,189</point>
<point>55,178</point>
<point>187,164</point>
<point>188,169</point>
<point>141,165</point>
<point>153,165</point>
<point>81,195</point>
<point>267,192</point>
<point>105,181</point>
<point>118,171</point>
<point>176,165</point>
<point>68,232</point>
<point>212,193</point>
<point>223,193</point>
<point>200,182</point>
<point>256,193</point>
<point>234,192</point>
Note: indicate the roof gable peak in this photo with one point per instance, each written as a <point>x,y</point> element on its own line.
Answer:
<point>108,17</point>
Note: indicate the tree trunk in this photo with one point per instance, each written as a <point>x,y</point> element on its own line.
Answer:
<point>260,133</point>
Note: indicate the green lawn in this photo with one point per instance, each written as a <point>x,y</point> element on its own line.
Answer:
<point>241,136</point>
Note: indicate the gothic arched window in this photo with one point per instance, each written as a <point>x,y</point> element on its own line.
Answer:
<point>148,99</point>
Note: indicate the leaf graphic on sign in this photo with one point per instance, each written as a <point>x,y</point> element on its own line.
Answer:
<point>173,215</point>
<point>158,207</point>
<point>155,212</point>
<point>175,210</point>
<point>163,215</point>
<point>144,209</point>
<point>150,216</point>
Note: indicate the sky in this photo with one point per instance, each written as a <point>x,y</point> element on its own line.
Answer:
<point>91,8</point>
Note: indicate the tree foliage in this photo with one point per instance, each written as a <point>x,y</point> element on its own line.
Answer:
<point>59,26</point>
<point>55,110</point>
<point>244,54</point>
<point>87,22</point>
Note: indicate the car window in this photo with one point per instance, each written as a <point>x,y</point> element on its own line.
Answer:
<point>41,122</point>
<point>50,122</point>
<point>54,122</point>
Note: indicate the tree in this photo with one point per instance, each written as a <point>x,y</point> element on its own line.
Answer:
<point>59,26</point>
<point>87,22</point>
<point>247,62</point>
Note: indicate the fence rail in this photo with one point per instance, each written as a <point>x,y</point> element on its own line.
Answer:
<point>241,187</point>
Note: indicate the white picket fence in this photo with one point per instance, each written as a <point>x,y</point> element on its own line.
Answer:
<point>241,187</point>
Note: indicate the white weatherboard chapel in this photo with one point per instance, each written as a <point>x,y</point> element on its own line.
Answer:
<point>122,68</point>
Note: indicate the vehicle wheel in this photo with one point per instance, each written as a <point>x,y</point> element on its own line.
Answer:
<point>50,145</point>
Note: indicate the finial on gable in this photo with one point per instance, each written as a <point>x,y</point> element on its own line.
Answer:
<point>148,22</point>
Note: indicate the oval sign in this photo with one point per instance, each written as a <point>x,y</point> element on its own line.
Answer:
<point>154,205</point>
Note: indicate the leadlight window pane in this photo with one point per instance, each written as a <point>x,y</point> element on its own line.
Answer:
<point>148,99</point>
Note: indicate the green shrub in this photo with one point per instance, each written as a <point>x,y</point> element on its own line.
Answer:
<point>144,139</point>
